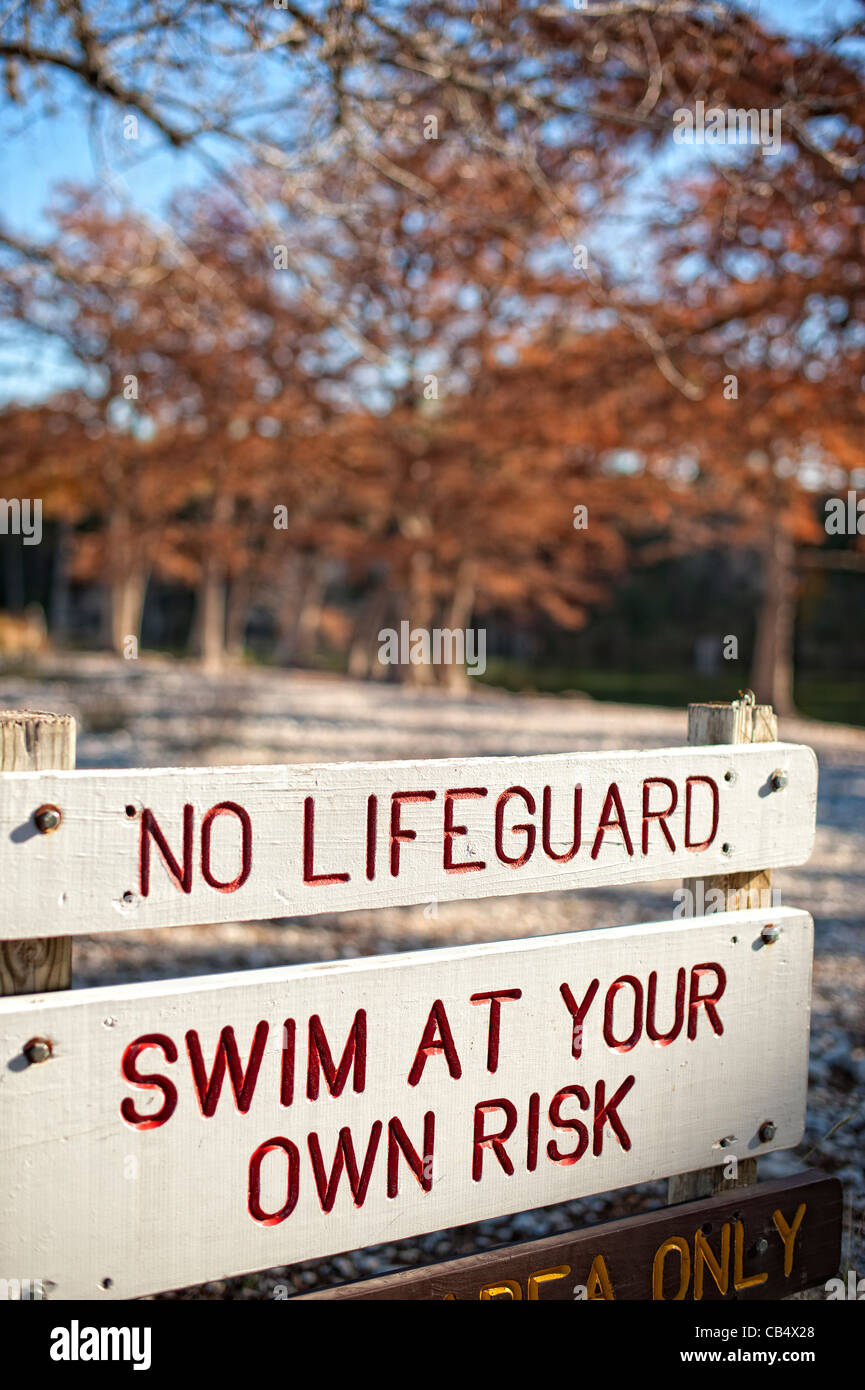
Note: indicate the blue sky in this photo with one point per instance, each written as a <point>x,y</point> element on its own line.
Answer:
<point>37,156</point>
<point>51,150</point>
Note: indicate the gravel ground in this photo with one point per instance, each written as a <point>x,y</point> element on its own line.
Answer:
<point>153,713</point>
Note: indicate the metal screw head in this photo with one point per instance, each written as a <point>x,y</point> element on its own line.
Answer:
<point>47,818</point>
<point>38,1050</point>
<point>761,1245</point>
<point>767,1132</point>
<point>778,781</point>
<point>770,933</point>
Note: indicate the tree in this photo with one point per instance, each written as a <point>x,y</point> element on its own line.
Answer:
<point>444,199</point>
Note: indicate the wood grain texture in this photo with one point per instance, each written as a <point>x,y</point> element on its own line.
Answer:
<point>171,847</point>
<point>119,1161</point>
<point>627,1260</point>
<point>746,723</point>
<point>32,741</point>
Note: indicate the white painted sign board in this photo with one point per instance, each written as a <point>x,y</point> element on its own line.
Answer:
<point>362,1101</point>
<point>180,846</point>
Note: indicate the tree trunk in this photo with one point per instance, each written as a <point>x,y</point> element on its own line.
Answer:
<point>125,609</point>
<point>297,611</point>
<point>363,650</point>
<point>13,565</point>
<point>213,587</point>
<point>59,607</point>
<point>459,615</point>
<point>421,613</point>
<point>285,605</point>
<point>772,675</point>
<point>211,616</point>
<point>306,633</point>
<point>238,611</point>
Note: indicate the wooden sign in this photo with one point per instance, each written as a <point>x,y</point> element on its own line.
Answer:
<point>98,851</point>
<point>186,1130</point>
<point>765,1242</point>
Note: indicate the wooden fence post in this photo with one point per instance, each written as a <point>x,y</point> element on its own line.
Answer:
<point>36,742</point>
<point>743,721</point>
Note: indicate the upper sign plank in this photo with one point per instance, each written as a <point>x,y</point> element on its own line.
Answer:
<point>167,847</point>
<point>184,1130</point>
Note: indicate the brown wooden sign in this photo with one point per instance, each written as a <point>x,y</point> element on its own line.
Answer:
<point>758,1243</point>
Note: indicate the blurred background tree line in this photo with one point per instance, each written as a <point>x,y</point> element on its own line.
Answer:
<point>442,277</point>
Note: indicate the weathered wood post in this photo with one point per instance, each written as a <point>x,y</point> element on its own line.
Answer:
<point>31,741</point>
<point>743,721</point>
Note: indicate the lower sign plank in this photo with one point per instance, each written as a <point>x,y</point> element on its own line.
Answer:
<point>763,1242</point>
<point>185,1130</point>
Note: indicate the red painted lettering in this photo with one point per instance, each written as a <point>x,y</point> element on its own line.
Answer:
<point>613,799</point>
<point>705,1001</point>
<point>344,1159</point>
<point>527,829</point>
<point>494,1142</point>
<point>437,1037</point>
<point>286,1082</point>
<point>690,782</point>
<point>663,1039</point>
<point>182,878</point>
<point>321,1059</point>
<point>451,831</point>
<point>242,1083</point>
<point>637,1027</point>
<point>255,1208</point>
<point>659,816</point>
<point>578,1013</point>
<point>309,874</point>
<point>420,1164</point>
<point>222,809</point>
<point>398,836</point>
<point>546,837</point>
<point>129,1068</point>
<point>606,1113</point>
<point>532,1132</point>
<point>371,827</point>
<point>555,1116</point>
<point>494,999</point>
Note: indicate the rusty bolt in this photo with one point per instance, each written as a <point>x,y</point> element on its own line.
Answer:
<point>770,933</point>
<point>38,1050</point>
<point>778,781</point>
<point>47,818</point>
<point>767,1132</point>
